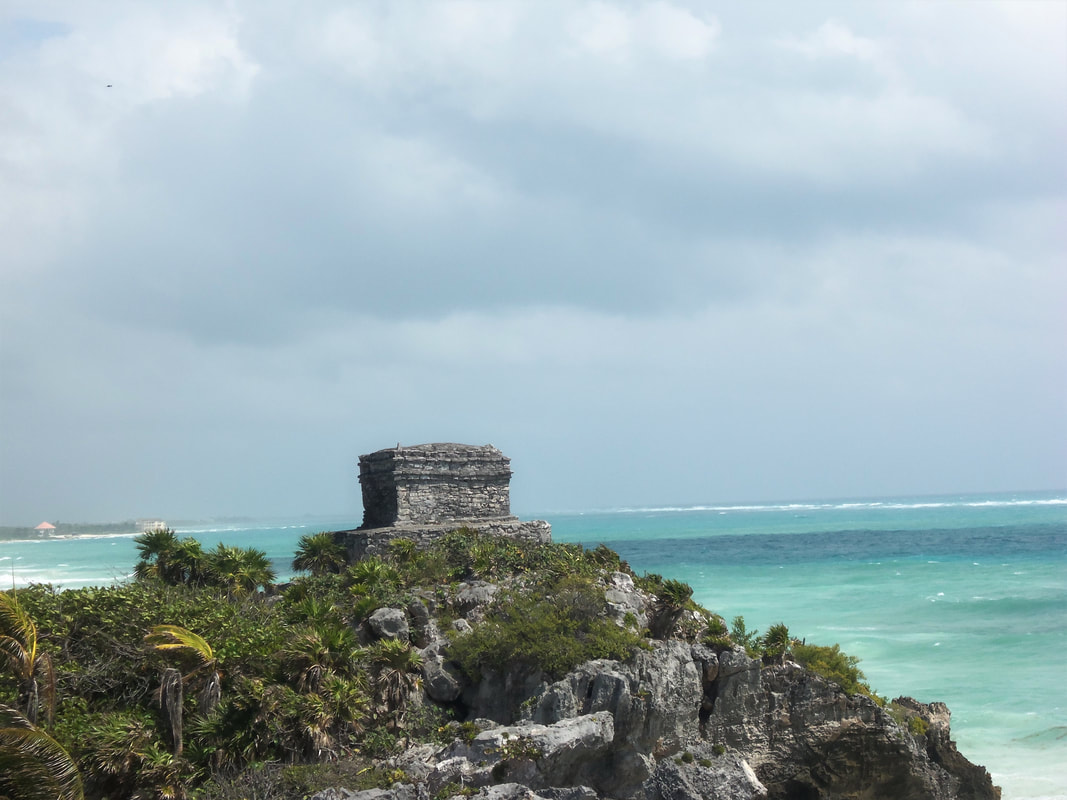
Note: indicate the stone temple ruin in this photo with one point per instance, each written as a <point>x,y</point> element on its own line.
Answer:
<point>425,491</point>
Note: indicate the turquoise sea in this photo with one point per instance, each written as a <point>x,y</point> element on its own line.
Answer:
<point>961,599</point>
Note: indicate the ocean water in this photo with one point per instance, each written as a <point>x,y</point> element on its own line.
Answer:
<point>960,599</point>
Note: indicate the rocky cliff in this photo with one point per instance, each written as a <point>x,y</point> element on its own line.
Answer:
<point>678,721</point>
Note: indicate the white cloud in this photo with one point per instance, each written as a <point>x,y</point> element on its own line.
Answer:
<point>62,124</point>
<point>834,39</point>
<point>676,32</point>
<point>657,30</point>
<point>601,29</point>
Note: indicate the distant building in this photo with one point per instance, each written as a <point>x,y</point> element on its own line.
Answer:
<point>45,527</point>
<point>145,525</point>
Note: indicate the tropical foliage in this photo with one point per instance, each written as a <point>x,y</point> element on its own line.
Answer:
<point>776,642</point>
<point>189,677</point>
<point>33,766</point>
<point>552,631</point>
<point>30,664</point>
<point>183,562</point>
<point>174,639</point>
<point>319,554</point>
<point>671,599</point>
<point>834,665</point>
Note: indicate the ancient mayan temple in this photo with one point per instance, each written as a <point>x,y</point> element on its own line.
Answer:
<point>424,491</point>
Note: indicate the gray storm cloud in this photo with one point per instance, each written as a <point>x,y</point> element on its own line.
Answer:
<point>814,252</point>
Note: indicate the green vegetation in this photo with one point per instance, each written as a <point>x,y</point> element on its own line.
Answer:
<point>834,665</point>
<point>776,642</point>
<point>33,766</point>
<point>553,629</point>
<point>191,682</point>
<point>30,665</point>
<point>916,724</point>
<point>671,599</point>
<point>174,561</point>
<point>319,554</point>
<point>748,639</point>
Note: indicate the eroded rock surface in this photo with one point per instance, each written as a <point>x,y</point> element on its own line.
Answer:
<point>678,721</point>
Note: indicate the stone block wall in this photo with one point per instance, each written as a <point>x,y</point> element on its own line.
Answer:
<point>423,492</point>
<point>364,542</point>
<point>434,483</point>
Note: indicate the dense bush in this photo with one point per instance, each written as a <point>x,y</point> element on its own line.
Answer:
<point>552,629</point>
<point>832,664</point>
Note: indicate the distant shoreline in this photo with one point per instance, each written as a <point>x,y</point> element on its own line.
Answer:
<point>22,534</point>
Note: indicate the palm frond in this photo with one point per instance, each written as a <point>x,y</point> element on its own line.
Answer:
<point>32,764</point>
<point>14,653</point>
<point>167,638</point>
<point>13,618</point>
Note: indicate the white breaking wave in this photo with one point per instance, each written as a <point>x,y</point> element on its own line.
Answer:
<point>853,505</point>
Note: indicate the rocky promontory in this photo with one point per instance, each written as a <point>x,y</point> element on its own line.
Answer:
<point>679,719</point>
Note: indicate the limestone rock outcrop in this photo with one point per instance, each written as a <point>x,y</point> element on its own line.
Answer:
<point>683,722</point>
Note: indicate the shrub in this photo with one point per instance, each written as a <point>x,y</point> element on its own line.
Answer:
<point>552,631</point>
<point>776,642</point>
<point>716,626</point>
<point>834,665</point>
<point>672,598</point>
<point>740,634</point>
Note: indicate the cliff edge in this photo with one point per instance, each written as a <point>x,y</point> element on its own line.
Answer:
<point>676,720</point>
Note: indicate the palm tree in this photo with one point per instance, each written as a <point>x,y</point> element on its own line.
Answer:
<point>33,766</point>
<point>319,554</point>
<point>671,599</point>
<point>189,562</point>
<point>372,576</point>
<point>776,642</point>
<point>318,652</point>
<point>183,642</point>
<point>396,668</point>
<point>125,760</point>
<point>239,569</point>
<point>156,548</point>
<point>32,667</point>
<point>170,559</point>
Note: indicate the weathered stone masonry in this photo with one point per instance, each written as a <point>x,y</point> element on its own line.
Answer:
<point>424,491</point>
<point>434,483</point>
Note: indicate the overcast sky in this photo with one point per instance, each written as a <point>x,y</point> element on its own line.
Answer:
<point>656,252</point>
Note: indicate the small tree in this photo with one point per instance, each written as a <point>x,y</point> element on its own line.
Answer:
<point>31,666</point>
<point>671,600</point>
<point>319,554</point>
<point>157,549</point>
<point>239,570</point>
<point>396,670</point>
<point>748,639</point>
<point>317,652</point>
<point>776,642</point>
<point>183,642</point>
